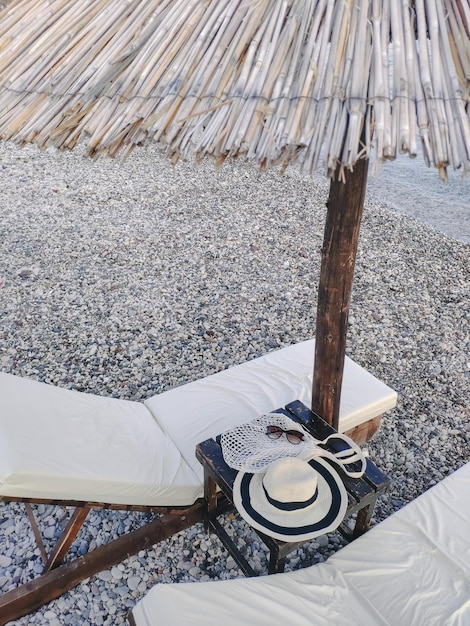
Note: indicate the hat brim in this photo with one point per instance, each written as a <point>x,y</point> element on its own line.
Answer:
<point>323,516</point>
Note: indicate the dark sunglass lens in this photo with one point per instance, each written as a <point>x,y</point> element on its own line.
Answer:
<point>293,436</point>
<point>274,432</point>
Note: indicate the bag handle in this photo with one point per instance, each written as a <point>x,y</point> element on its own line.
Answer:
<point>344,458</point>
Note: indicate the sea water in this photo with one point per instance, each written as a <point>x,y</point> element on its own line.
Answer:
<point>411,187</point>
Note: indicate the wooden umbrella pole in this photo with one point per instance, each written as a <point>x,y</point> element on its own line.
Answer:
<point>345,206</point>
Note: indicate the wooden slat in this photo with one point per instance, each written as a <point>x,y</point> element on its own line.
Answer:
<point>32,595</point>
<point>139,508</point>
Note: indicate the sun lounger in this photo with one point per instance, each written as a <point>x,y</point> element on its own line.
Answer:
<point>203,409</point>
<point>75,449</point>
<point>413,569</point>
<point>61,445</point>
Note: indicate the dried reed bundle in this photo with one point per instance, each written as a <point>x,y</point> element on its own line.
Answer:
<point>279,81</point>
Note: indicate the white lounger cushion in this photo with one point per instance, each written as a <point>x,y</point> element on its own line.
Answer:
<point>61,444</point>
<point>412,569</point>
<point>423,554</point>
<point>205,408</point>
<point>313,596</point>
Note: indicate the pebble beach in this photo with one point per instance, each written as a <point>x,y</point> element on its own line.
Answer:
<point>127,278</point>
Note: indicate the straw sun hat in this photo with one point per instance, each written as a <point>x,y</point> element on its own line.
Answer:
<point>293,500</point>
<point>286,486</point>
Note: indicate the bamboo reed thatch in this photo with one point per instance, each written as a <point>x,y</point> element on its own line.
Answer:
<point>279,81</point>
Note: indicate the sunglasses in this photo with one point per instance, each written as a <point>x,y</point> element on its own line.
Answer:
<point>292,436</point>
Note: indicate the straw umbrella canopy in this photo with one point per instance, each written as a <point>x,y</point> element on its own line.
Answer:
<point>312,83</point>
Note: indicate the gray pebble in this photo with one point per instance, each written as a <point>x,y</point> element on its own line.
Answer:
<point>106,575</point>
<point>49,532</point>
<point>5,561</point>
<point>133,582</point>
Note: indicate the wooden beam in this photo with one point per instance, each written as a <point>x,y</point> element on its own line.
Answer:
<point>49,586</point>
<point>345,206</point>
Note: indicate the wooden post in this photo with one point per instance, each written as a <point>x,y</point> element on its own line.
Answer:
<point>345,205</point>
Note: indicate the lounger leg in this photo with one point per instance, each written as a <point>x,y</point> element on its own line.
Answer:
<point>66,539</point>
<point>49,586</point>
<point>37,534</point>
<point>64,542</point>
<point>363,520</point>
<point>210,496</point>
<point>276,563</point>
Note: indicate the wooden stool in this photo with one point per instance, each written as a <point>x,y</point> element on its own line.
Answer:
<point>362,492</point>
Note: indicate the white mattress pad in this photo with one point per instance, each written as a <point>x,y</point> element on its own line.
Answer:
<point>205,408</point>
<point>66,445</point>
<point>411,569</point>
<point>62,444</point>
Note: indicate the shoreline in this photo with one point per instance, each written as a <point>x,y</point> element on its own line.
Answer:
<point>111,274</point>
<point>410,187</point>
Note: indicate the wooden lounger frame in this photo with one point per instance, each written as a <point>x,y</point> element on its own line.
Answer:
<point>58,577</point>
